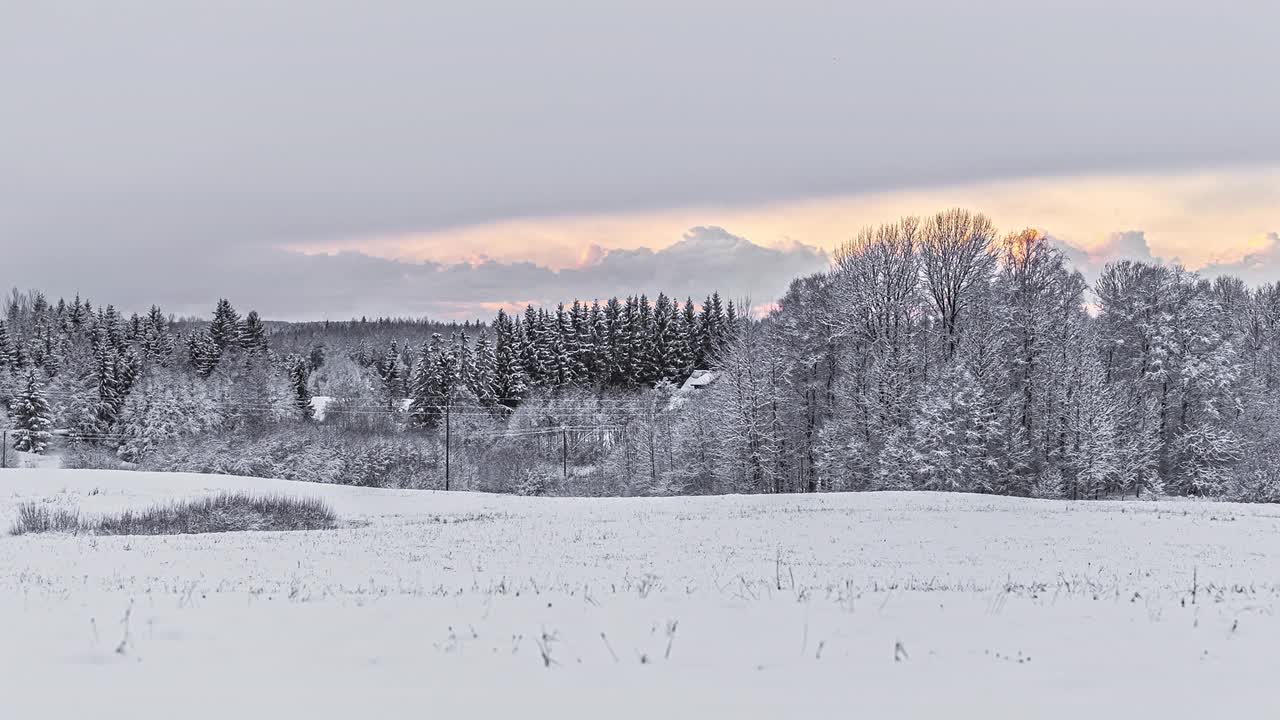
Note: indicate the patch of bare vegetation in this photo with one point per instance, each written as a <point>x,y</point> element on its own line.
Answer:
<point>230,512</point>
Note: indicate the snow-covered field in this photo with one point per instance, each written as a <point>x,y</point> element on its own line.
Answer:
<point>459,605</point>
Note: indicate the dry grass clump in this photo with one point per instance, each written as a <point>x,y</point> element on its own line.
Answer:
<point>230,512</point>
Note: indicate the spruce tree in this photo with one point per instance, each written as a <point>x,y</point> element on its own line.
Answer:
<point>203,353</point>
<point>668,347</point>
<point>629,336</point>
<point>51,352</point>
<point>483,379</point>
<point>708,333</point>
<point>614,348</point>
<point>644,345</point>
<point>530,333</point>
<point>677,362</point>
<point>390,375</point>
<point>135,328</point>
<point>299,375</point>
<point>431,382</point>
<point>691,343</point>
<point>598,333</point>
<point>548,347</point>
<point>563,348</point>
<point>112,324</point>
<point>465,360</point>
<point>580,347</point>
<point>32,418</point>
<point>450,364</point>
<point>509,381</point>
<point>224,331</point>
<point>78,313</point>
<point>7,358</point>
<point>253,334</point>
<point>156,342</point>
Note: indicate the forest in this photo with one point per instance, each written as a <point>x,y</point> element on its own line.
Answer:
<point>934,354</point>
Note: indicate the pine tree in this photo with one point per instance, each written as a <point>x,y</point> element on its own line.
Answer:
<point>299,378</point>
<point>52,354</point>
<point>135,328</point>
<point>78,313</point>
<point>483,380</point>
<point>389,370</point>
<point>563,347</point>
<point>578,343</point>
<point>108,379</point>
<point>7,358</point>
<point>32,418</point>
<point>156,342</point>
<point>466,361</point>
<point>450,364</point>
<point>949,438</point>
<point>509,380</point>
<point>203,353</point>
<point>430,384</point>
<point>225,330</point>
<point>644,353</point>
<point>598,344</point>
<point>253,334</point>
<point>668,362</point>
<point>548,347</point>
<point>710,330</point>
<point>531,351</point>
<point>18,358</point>
<point>615,342</point>
<point>112,324</point>
<point>692,344</point>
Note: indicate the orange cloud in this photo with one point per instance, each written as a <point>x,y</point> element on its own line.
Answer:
<point>1216,216</point>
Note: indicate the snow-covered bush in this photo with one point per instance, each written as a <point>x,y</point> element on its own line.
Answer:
<point>538,481</point>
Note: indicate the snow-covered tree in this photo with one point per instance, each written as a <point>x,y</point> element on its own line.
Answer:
<point>32,417</point>
<point>253,333</point>
<point>225,331</point>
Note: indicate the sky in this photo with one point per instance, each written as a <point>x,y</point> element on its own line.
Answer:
<point>315,159</point>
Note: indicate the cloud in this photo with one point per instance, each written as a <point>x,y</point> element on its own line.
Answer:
<point>1257,267</point>
<point>139,127</point>
<point>1203,218</point>
<point>290,285</point>
<point>1259,264</point>
<point>1200,217</point>
<point>1125,245</point>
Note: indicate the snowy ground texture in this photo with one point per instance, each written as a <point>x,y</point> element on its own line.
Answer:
<point>865,605</point>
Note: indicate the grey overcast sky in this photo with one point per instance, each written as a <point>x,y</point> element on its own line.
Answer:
<point>176,151</point>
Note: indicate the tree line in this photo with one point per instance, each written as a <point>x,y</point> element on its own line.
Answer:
<point>934,354</point>
<point>138,382</point>
<point>938,355</point>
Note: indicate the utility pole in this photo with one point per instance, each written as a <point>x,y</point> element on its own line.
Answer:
<point>564,453</point>
<point>447,398</point>
<point>4,455</point>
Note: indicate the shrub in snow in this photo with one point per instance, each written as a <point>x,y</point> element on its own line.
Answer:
<point>39,518</point>
<point>537,481</point>
<point>230,512</point>
<point>83,456</point>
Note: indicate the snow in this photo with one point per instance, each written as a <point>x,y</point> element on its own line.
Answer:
<point>320,406</point>
<point>427,603</point>
<point>699,378</point>
<point>20,459</point>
